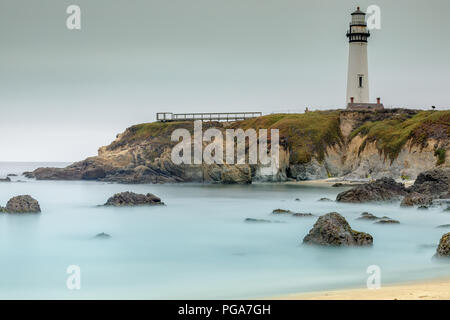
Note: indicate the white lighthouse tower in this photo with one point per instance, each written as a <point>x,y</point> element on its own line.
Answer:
<point>358,70</point>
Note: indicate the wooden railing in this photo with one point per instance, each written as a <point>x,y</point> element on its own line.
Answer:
<point>209,116</point>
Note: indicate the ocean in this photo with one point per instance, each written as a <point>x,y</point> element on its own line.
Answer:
<point>198,246</point>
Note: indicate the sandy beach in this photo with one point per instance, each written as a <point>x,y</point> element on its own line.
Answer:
<point>438,289</point>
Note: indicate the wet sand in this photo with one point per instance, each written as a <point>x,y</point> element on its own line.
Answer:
<point>430,290</point>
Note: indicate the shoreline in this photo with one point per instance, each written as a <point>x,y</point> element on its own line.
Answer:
<point>434,289</point>
<point>345,183</point>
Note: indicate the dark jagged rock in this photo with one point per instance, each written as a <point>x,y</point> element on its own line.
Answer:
<point>422,208</point>
<point>433,183</point>
<point>133,199</point>
<point>7,179</point>
<point>382,220</point>
<point>253,220</point>
<point>93,174</point>
<point>385,189</point>
<point>367,216</point>
<point>22,204</point>
<point>443,250</point>
<point>98,169</point>
<point>102,236</point>
<point>415,198</point>
<point>294,214</point>
<point>325,200</point>
<point>281,211</point>
<point>387,220</point>
<point>444,226</point>
<point>338,184</point>
<point>302,215</point>
<point>297,199</point>
<point>333,230</point>
<point>11,175</point>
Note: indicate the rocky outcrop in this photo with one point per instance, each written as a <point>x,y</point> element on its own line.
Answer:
<point>385,189</point>
<point>22,204</point>
<point>429,185</point>
<point>333,230</point>
<point>133,199</point>
<point>433,183</point>
<point>314,145</point>
<point>7,179</point>
<point>443,250</point>
<point>415,198</point>
<point>312,170</point>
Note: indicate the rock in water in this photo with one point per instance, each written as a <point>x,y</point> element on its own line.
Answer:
<point>281,211</point>
<point>102,236</point>
<point>133,199</point>
<point>443,250</point>
<point>7,179</point>
<point>253,220</point>
<point>379,220</point>
<point>415,198</point>
<point>433,183</point>
<point>384,189</point>
<point>294,214</point>
<point>337,184</point>
<point>23,204</point>
<point>302,215</point>
<point>333,230</point>
<point>325,200</point>
<point>367,216</point>
<point>387,220</point>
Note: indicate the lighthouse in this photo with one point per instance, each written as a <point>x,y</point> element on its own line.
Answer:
<point>358,69</point>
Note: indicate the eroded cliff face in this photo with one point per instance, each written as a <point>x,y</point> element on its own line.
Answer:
<point>350,163</point>
<point>361,157</point>
<point>133,163</point>
<point>350,145</point>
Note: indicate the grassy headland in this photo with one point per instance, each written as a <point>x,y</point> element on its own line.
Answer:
<point>309,134</point>
<point>392,134</point>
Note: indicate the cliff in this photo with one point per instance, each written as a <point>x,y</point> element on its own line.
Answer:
<point>397,143</point>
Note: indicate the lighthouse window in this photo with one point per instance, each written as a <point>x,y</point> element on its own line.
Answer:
<point>360,78</point>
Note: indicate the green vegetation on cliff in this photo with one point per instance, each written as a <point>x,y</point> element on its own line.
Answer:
<point>391,135</point>
<point>307,134</point>
<point>440,154</point>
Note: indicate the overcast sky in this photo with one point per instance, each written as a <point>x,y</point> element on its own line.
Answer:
<point>65,93</point>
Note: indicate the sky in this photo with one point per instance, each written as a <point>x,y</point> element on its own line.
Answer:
<point>64,93</point>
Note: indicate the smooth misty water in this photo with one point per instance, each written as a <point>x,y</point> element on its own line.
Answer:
<point>198,246</point>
